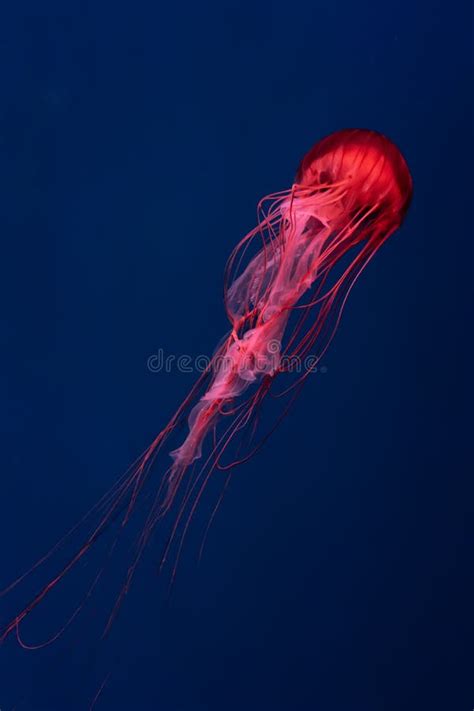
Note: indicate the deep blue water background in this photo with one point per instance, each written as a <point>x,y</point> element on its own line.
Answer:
<point>136,140</point>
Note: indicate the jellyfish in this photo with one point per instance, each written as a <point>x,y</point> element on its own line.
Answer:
<point>285,286</point>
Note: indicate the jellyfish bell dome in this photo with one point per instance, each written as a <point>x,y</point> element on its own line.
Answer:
<point>367,165</point>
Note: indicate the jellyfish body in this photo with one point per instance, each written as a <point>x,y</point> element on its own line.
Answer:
<point>283,296</point>
<point>353,187</point>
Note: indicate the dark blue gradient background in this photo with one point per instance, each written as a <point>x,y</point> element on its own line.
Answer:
<point>136,139</point>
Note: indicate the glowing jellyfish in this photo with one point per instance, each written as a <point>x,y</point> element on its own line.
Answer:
<point>286,284</point>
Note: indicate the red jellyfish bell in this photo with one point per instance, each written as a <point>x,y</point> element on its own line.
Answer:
<point>286,284</point>
<point>369,167</point>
